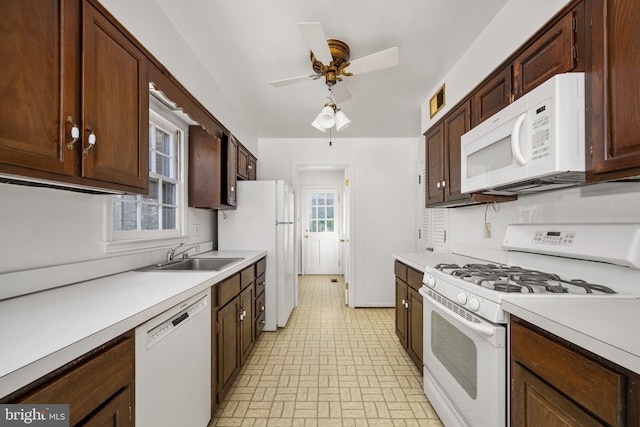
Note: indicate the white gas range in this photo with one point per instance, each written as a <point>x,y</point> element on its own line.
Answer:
<point>465,342</point>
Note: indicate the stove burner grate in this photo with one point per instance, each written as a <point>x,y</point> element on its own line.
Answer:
<point>504,278</point>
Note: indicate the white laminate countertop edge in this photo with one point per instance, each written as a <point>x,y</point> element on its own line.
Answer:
<point>45,330</point>
<point>420,260</point>
<point>606,327</point>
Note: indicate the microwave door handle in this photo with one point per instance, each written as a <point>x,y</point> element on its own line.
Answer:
<point>515,140</point>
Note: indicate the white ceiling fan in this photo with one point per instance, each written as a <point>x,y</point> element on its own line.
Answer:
<point>330,59</point>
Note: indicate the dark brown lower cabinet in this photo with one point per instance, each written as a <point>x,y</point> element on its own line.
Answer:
<point>555,383</point>
<point>247,319</point>
<point>99,386</point>
<point>228,354</point>
<point>409,311</point>
<point>235,331</point>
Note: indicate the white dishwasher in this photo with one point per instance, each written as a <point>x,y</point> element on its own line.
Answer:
<point>173,366</point>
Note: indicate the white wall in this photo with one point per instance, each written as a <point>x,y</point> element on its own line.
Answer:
<point>598,203</point>
<point>43,227</point>
<point>383,180</point>
<point>513,25</point>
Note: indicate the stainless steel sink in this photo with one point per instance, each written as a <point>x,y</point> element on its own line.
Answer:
<point>192,264</point>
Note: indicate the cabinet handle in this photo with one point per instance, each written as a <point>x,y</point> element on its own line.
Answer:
<point>262,308</point>
<point>241,317</point>
<point>75,133</point>
<point>444,183</point>
<point>438,184</point>
<point>91,141</point>
<point>406,305</point>
<point>250,167</point>
<point>404,301</point>
<point>263,322</point>
<point>244,313</point>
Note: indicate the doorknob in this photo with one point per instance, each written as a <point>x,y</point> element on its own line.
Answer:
<point>306,236</point>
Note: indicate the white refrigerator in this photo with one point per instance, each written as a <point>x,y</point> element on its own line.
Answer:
<point>263,220</point>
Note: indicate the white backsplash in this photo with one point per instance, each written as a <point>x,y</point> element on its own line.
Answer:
<point>597,203</point>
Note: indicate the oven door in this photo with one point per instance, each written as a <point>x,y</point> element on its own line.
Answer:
<point>464,364</point>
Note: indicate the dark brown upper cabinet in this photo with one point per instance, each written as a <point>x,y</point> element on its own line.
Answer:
<point>71,65</point>
<point>491,96</point>
<point>613,91</point>
<point>246,163</point>
<point>556,51</point>
<point>212,168</point>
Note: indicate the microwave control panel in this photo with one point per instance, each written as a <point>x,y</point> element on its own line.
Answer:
<point>541,133</point>
<point>563,238</point>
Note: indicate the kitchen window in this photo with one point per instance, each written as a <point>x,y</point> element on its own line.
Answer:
<point>159,215</point>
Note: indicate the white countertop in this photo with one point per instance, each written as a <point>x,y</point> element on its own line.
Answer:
<point>604,326</point>
<point>45,330</point>
<point>419,260</point>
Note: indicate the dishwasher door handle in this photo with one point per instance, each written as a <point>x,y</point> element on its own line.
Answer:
<point>179,319</point>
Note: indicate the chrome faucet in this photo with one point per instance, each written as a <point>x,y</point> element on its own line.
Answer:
<point>171,254</point>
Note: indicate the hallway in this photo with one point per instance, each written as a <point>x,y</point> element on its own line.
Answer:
<point>331,366</point>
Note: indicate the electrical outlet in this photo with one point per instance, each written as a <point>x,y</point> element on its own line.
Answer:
<point>196,230</point>
<point>487,229</point>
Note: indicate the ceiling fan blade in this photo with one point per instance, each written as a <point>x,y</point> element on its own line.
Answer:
<point>316,40</point>
<point>340,93</point>
<point>292,80</point>
<point>376,61</point>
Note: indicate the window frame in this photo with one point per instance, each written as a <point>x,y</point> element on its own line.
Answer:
<point>119,241</point>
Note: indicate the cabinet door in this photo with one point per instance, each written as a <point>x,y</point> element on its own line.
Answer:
<point>435,158</point>
<point>536,403</point>
<point>247,305</point>
<point>401,311</point>
<point>456,124</point>
<point>228,352</point>
<point>115,105</point>
<point>613,91</point>
<point>117,412</point>
<point>243,162</point>
<point>232,153</point>
<point>252,168</point>
<point>38,59</point>
<point>91,384</point>
<point>491,96</point>
<point>550,54</point>
<point>415,327</point>
<point>583,380</point>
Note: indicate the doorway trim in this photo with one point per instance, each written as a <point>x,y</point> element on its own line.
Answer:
<point>347,255</point>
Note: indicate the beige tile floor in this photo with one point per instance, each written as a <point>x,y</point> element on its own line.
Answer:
<point>330,366</point>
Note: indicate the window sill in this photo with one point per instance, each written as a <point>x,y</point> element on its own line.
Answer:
<point>141,245</point>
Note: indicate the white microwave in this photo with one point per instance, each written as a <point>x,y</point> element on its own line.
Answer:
<point>534,144</point>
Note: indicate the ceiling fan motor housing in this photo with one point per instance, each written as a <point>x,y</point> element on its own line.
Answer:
<point>340,54</point>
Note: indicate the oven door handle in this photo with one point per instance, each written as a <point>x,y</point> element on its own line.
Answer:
<point>481,329</point>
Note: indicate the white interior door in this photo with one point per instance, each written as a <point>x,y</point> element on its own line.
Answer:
<point>321,231</point>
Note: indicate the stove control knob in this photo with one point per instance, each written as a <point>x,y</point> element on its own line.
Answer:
<point>474,304</point>
<point>462,298</point>
<point>431,281</point>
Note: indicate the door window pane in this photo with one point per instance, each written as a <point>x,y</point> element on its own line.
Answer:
<point>321,213</point>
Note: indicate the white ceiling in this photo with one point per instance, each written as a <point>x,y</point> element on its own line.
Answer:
<point>244,44</point>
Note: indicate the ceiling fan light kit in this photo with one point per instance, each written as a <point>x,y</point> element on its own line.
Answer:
<point>329,117</point>
<point>330,59</point>
<point>342,121</point>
